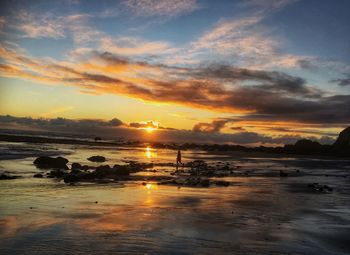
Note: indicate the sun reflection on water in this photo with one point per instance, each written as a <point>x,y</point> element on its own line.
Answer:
<point>151,186</point>
<point>150,153</point>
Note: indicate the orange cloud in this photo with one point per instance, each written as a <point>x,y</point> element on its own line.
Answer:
<point>270,96</point>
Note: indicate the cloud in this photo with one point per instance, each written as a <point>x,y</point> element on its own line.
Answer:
<point>247,41</point>
<point>268,5</point>
<point>2,21</point>
<point>342,81</point>
<point>45,26</point>
<point>131,46</point>
<point>164,8</point>
<point>81,30</point>
<point>259,95</point>
<point>213,127</point>
<point>269,80</point>
<point>115,128</point>
<point>144,124</point>
<point>48,25</point>
<point>58,110</point>
<point>60,122</point>
<point>238,38</point>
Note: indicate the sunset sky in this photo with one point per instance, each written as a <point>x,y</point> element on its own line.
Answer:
<point>247,72</point>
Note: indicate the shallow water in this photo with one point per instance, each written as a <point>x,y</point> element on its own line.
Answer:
<point>258,213</point>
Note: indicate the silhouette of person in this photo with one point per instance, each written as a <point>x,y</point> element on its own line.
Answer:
<point>178,159</point>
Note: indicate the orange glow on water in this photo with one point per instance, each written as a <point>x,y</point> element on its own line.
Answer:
<point>150,153</point>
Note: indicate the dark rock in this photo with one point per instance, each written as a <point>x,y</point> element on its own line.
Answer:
<point>49,162</point>
<point>71,178</point>
<point>342,144</point>
<point>85,167</point>
<point>38,176</point>
<point>306,146</point>
<point>205,183</point>
<point>8,177</point>
<point>136,167</point>
<point>98,138</point>
<point>75,171</point>
<point>320,188</point>
<point>283,174</point>
<point>105,171</point>
<point>76,166</point>
<point>97,159</point>
<point>222,183</point>
<point>56,174</point>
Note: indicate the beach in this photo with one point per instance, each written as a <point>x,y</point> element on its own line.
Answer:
<point>258,212</point>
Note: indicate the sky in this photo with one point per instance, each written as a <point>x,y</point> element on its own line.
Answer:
<point>244,72</point>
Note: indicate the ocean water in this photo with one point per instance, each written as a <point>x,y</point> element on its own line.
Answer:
<point>259,213</point>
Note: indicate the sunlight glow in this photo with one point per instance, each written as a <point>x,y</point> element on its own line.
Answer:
<point>151,186</point>
<point>150,129</point>
<point>150,153</point>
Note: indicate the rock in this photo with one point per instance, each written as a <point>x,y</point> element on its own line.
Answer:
<point>342,143</point>
<point>97,159</point>
<point>85,167</point>
<point>71,178</point>
<point>222,183</point>
<point>320,188</point>
<point>121,171</point>
<point>136,167</point>
<point>105,171</point>
<point>283,174</point>
<point>38,176</point>
<point>49,162</point>
<point>306,146</point>
<point>76,166</point>
<point>75,171</point>
<point>8,177</point>
<point>56,174</point>
<point>101,171</point>
<point>205,183</point>
<point>97,138</point>
<point>327,188</point>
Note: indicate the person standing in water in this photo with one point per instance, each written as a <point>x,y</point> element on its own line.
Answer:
<point>178,159</point>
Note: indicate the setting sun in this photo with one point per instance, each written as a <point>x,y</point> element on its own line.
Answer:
<point>150,129</point>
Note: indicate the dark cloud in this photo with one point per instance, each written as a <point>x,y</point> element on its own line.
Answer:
<point>342,82</point>
<point>272,107</point>
<point>145,124</point>
<point>307,64</point>
<point>116,129</point>
<point>302,131</point>
<point>60,123</point>
<point>214,126</point>
<point>270,81</point>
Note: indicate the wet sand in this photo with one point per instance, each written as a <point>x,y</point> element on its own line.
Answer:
<point>258,213</point>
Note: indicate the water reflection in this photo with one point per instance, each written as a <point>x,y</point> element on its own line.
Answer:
<point>150,153</point>
<point>253,213</point>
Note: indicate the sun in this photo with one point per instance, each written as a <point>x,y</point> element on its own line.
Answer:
<point>150,129</point>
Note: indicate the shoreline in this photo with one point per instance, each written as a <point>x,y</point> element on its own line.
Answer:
<point>257,151</point>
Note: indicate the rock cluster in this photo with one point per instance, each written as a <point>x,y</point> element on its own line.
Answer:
<point>49,162</point>
<point>8,177</point>
<point>97,159</point>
